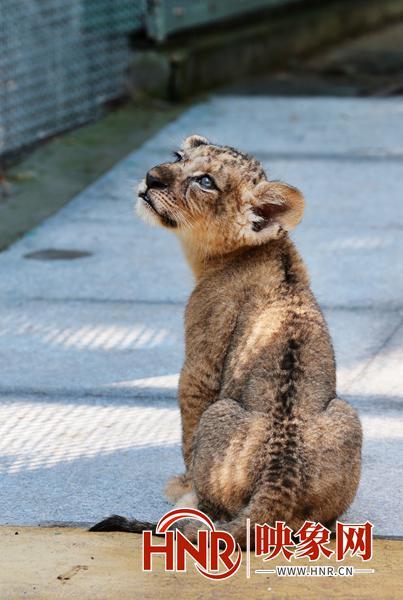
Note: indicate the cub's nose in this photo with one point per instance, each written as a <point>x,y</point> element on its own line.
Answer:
<point>153,181</point>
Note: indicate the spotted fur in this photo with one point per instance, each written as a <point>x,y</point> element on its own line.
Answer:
<point>265,436</point>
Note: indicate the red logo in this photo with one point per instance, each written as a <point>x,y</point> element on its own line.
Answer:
<point>211,555</point>
<point>216,554</point>
<point>351,539</point>
<point>355,539</point>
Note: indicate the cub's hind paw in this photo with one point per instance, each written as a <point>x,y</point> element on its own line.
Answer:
<point>177,487</point>
<point>188,500</point>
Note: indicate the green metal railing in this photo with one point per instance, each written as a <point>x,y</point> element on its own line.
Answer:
<point>165,17</point>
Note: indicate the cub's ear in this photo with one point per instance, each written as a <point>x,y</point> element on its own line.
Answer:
<point>274,205</point>
<point>193,141</point>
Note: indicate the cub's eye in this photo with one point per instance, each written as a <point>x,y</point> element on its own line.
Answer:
<point>178,156</point>
<point>207,182</point>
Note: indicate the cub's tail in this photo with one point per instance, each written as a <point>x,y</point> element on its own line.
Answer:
<point>118,523</point>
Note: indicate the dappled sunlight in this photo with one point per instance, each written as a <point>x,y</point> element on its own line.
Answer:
<point>99,336</point>
<point>381,378</point>
<point>163,382</point>
<point>360,242</point>
<point>349,374</point>
<point>103,337</point>
<point>41,434</point>
<point>382,427</point>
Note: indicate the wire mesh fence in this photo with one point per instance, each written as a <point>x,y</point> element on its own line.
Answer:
<point>59,63</point>
<point>62,60</point>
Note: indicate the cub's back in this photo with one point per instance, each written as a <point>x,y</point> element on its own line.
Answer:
<point>259,334</point>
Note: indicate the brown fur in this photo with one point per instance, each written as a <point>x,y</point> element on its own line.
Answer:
<point>264,435</point>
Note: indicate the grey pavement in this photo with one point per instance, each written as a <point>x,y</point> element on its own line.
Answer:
<point>91,348</point>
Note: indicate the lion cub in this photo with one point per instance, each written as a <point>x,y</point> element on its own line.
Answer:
<point>265,436</point>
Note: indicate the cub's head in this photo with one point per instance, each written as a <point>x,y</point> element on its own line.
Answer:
<point>217,198</point>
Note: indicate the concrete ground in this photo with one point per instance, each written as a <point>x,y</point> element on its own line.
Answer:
<point>92,304</point>
<point>83,566</point>
<point>42,182</point>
